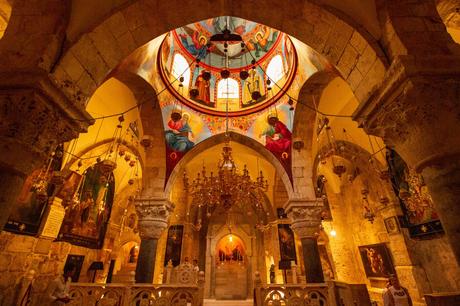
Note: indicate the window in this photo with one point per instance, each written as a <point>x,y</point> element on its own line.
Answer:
<point>228,88</point>
<point>180,68</point>
<point>275,69</point>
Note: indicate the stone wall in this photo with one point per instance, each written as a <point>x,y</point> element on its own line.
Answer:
<point>19,254</point>
<point>423,266</point>
<point>434,256</point>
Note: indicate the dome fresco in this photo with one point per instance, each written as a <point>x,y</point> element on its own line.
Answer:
<point>196,79</point>
<point>260,66</point>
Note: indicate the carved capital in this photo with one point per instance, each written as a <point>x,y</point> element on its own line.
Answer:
<point>305,216</point>
<point>153,215</point>
<point>35,116</point>
<point>416,109</point>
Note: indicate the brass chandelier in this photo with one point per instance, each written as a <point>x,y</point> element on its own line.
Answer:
<point>229,188</point>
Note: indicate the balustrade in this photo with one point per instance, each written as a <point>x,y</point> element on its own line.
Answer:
<point>137,294</point>
<point>303,294</point>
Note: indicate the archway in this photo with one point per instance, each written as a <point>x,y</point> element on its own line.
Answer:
<point>231,268</point>
<point>344,45</point>
<point>222,138</point>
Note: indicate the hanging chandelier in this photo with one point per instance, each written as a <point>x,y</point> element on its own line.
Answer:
<point>229,188</point>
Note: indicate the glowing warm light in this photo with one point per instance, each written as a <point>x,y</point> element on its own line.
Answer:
<point>230,238</point>
<point>333,233</point>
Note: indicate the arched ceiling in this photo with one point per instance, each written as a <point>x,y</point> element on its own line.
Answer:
<point>84,17</point>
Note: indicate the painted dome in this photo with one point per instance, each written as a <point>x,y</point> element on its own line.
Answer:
<point>247,70</point>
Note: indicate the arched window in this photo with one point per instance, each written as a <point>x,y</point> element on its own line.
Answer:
<point>228,88</point>
<point>275,69</point>
<point>180,68</point>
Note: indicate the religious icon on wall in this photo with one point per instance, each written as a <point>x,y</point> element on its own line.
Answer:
<point>69,189</point>
<point>77,262</point>
<point>287,243</point>
<point>230,248</point>
<point>86,220</point>
<point>174,245</point>
<point>391,224</point>
<point>376,260</point>
<point>26,215</point>
<point>416,202</point>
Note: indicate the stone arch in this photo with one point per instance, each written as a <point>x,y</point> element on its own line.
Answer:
<point>349,47</point>
<point>248,239</point>
<point>35,34</point>
<point>100,144</point>
<point>154,166</point>
<point>221,138</point>
<point>413,28</point>
<point>304,126</point>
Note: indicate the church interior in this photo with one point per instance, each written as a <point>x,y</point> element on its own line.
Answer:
<point>202,152</point>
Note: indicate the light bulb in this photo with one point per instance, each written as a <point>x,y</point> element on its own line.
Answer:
<point>333,233</point>
<point>230,238</point>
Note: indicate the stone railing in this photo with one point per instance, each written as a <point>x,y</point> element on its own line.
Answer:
<point>331,293</point>
<point>287,294</point>
<point>137,294</point>
<point>308,295</point>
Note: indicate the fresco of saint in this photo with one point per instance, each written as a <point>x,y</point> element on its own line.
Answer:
<point>252,84</point>
<point>277,136</point>
<point>198,46</point>
<point>261,42</point>
<point>177,135</point>
<point>203,87</point>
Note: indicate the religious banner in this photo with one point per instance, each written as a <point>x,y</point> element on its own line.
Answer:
<point>376,260</point>
<point>174,245</point>
<point>420,216</point>
<point>86,218</point>
<point>287,243</point>
<point>29,209</point>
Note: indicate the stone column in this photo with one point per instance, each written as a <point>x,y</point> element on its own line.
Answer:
<point>35,116</point>
<point>153,214</point>
<point>416,112</point>
<point>305,221</point>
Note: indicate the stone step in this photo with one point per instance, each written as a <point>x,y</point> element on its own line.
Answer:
<point>228,303</point>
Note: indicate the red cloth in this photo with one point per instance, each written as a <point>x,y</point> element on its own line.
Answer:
<point>281,145</point>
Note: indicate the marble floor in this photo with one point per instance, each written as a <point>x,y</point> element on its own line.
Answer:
<point>228,303</point>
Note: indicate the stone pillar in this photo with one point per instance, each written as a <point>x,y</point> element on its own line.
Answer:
<point>153,214</point>
<point>35,116</point>
<point>305,218</point>
<point>416,112</point>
